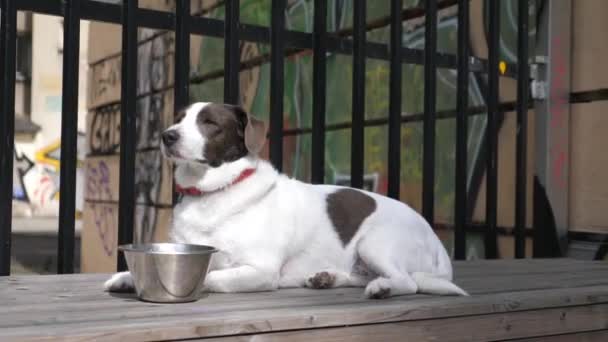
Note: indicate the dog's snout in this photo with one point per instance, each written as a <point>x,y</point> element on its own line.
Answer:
<point>170,137</point>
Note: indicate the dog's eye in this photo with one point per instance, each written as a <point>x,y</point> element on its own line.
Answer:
<point>210,122</point>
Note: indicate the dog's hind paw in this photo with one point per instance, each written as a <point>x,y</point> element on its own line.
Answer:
<point>120,282</point>
<point>321,280</point>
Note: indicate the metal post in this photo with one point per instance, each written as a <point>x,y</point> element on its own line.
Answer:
<point>277,61</point>
<point>552,126</point>
<point>69,136</point>
<point>231,52</point>
<point>128,132</point>
<point>523,87</point>
<point>430,85</point>
<point>491,236</point>
<point>319,92</point>
<point>394,119</point>
<point>8,37</point>
<point>182,54</point>
<point>357,151</point>
<point>462,103</point>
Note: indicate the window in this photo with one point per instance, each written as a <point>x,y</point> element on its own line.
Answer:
<point>24,56</point>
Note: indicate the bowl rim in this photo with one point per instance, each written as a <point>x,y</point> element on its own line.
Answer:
<point>143,248</point>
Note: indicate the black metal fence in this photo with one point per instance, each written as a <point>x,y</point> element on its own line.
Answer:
<point>283,42</point>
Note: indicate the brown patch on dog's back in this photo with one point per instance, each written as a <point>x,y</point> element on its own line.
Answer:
<point>224,128</point>
<point>347,208</point>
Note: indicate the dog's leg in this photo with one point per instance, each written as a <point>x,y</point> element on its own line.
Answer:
<point>241,279</point>
<point>334,278</point>
<point>120,282</point>
<point>391,281</point>
<point>396,285</point>
<point>291,282</point>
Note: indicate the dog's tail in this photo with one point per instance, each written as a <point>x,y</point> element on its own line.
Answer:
<point>436,284</point>
<point>441,282</point>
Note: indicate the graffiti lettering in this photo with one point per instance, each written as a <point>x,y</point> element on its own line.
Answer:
<point>104,135</point>
<point>148,177</point>
<point>104,84</point>
<point>145,224</point>
<point>21,166</point>
<point>98,181</point>
<point>104,217</point>
<point>150,113</point>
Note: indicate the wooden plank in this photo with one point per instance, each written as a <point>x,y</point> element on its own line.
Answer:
<point>590,336</point>
<point>588,199</point>
<point>464,271</point>
<point>476,282</point>
<point>99,237</point>
<point>306,313</point>
<point>68,307</point>
<point>488,327</point>
<point>526,266</point>
<point>106,42</point>
<point>58,306</point>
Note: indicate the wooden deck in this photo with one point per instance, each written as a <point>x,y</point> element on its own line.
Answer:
<point>510,300</point>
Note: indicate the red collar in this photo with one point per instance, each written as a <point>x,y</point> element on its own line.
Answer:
<point>192,191</point>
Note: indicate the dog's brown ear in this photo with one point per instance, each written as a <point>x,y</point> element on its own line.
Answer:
<point>255,134</point>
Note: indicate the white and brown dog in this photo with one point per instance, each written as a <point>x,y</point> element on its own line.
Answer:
<point>276,232</point>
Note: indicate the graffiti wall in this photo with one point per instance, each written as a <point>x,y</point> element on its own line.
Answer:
<point>36,180</point>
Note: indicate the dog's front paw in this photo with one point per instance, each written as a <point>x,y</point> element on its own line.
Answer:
<point>120,282</point>
<point>212,283</point>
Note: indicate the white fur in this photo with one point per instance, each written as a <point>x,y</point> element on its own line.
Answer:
<point>275,232</point>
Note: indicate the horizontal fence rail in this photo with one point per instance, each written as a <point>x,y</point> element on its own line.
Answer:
<point>284,43</point>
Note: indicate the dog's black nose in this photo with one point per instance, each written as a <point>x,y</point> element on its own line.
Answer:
<point>170,137</point>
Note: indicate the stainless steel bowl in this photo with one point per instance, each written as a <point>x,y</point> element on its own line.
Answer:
<point>168,272</point>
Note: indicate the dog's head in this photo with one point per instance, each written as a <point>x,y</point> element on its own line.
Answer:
<point>213,134</point>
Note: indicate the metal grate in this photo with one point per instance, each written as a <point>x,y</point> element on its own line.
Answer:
<point>283,43</point>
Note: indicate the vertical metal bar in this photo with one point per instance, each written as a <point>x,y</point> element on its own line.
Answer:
<point>523,77</point>
<point>552,129</point>
<point>430,89</point>
<point>8,38</point>
<point>394,108</point>
<point>69,136</point>
<point>231,52</point>
<point>462,103</point>
<point>181,87</point>
<point>128,132</point>
<point>277,60</point>
<point>357,152</point>
<point>319,92</point>
<point>182,54</point>
<point>491,247</point>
